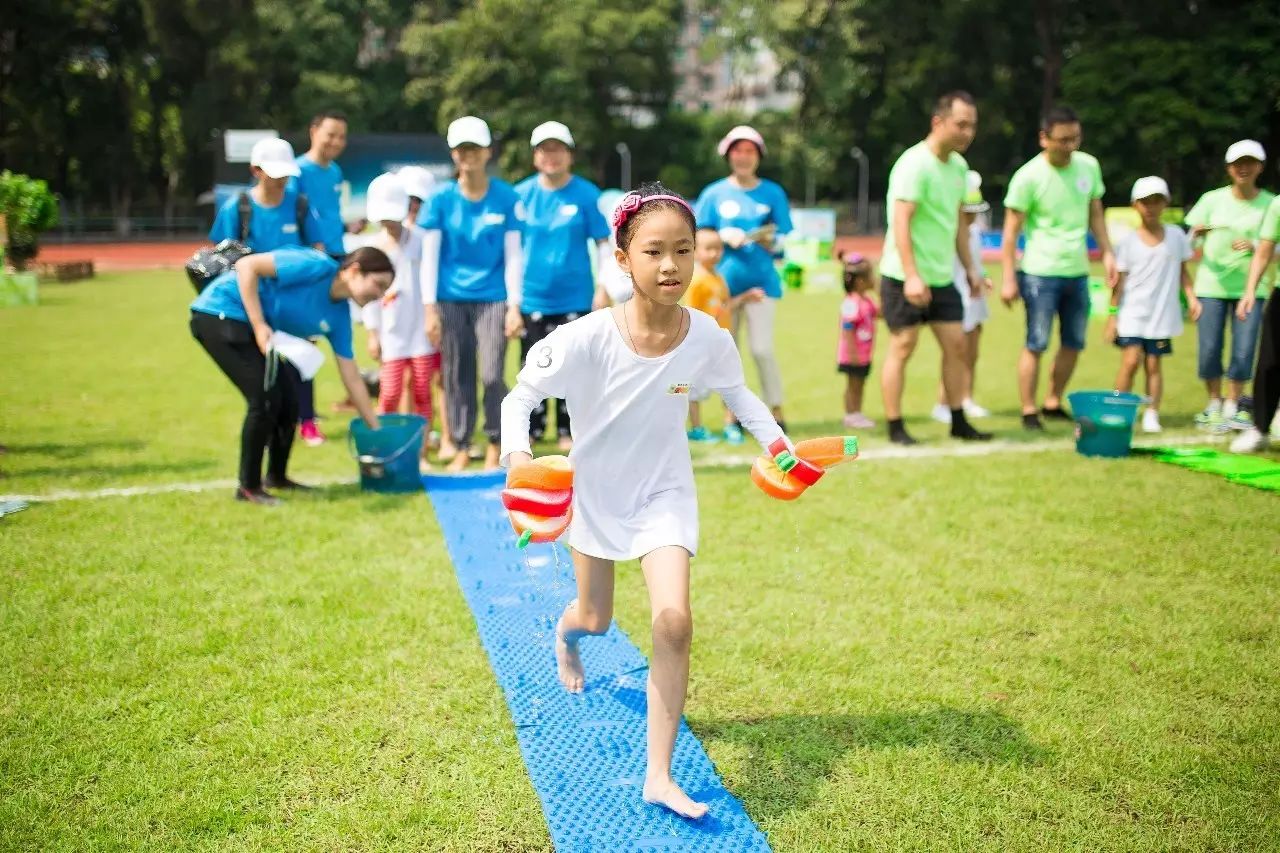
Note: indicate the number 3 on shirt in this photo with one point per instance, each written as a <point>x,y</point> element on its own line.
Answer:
<point>544,357</point>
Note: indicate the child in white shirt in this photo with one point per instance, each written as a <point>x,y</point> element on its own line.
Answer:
<point>1145,313</point>
<point>395,322</point>
<point>626,373</point>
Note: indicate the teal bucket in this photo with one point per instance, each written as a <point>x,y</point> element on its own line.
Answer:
<point>1104,422</point>
<point>388,457</point>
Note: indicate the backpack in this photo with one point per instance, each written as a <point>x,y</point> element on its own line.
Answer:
<point>209,262</point>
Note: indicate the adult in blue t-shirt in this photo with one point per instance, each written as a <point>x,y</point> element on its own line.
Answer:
<point>752,215</point>
<point>320,178</point>
<point>296,290</point>
<point>564,234</point>
<point>472,267</point>
<point>273,206</point>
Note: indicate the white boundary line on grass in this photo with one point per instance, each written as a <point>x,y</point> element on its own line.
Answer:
<point>878,454</point>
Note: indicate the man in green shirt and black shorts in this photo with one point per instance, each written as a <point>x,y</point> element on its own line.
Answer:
<point>1057,198</point>
<point>917,285</point>
<point>1266,379</point>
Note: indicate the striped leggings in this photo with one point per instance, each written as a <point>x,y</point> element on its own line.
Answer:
<point>472,337</point>
<point>391,380</point>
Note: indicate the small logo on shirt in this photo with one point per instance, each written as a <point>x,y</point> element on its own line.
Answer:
<point>289,228</point>
<point>324,326</point>
<point>729,208</point>
<point>494,218</point>
<point>678,388</point>
<point>762,209</point>
<point>568,210</point>
<point>1082,184</point>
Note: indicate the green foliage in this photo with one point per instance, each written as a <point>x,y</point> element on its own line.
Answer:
<point>28,208</point>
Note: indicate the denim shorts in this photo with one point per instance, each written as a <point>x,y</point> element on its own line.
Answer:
<point>1150,346</point>
<point>1048,295</point>
<point>1211,330</point>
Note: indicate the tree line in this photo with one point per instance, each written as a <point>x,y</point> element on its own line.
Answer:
<point>117,103</point>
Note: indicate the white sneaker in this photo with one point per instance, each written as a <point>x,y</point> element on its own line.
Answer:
<point>973,410</point>
<point>1249,441</point>
<point>1275,427</point>
<point>941,413</point>
<point>1151,421</point>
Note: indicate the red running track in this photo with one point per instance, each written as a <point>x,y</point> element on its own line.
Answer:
<point>140,256</point>
<point>121,256</point>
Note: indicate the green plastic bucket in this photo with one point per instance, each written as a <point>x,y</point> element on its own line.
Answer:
<point>388,457</point>
<point>1104,422</point>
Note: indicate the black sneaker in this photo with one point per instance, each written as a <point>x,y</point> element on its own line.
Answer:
<point>904,438</point>
<point>965,432</point>
<point>1058,414</point>
<point>1031,423</point>
<point>286,485</point>
<point>256,496</point>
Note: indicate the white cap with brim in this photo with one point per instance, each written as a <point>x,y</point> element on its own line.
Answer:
<point>418,182</point>
<point>973,200</point>
<point>275,157</point>
<point>738,134</point>
<point>551,130</point>
<point>386,200</point>
<point>1149,186</point>
<point>468,129</point>
<point>1246,148</point>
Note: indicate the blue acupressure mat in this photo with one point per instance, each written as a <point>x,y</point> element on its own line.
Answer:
<point>585,754</point>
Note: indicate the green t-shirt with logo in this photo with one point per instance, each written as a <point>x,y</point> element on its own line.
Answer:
<point>1223,270</point>
<point>937,188</point>
<point>1056,205</point>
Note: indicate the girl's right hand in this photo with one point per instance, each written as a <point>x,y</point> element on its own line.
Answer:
<point>433,325</point>
<point>1245,306</point>
<point>516,458</point>
<point>1109,331</point>
<point>262,334</point>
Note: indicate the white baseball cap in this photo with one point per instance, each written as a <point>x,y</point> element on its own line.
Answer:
<point>739,133</point>
<point>275,157</point>
<point>469,129</point>
<point>386,199</point>
<point>417,181</point>
<point>1246,148</point>
<point>973,200</point>
<point>551,130</point>
<point>1149,186</point>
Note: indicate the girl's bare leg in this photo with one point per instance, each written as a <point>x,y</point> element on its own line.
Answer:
<point>588,614</point>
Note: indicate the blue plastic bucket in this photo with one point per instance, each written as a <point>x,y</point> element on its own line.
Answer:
<point>1104,422</point>
<point>388,457</point>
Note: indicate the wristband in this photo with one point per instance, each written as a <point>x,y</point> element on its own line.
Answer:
<point>1113,310</point>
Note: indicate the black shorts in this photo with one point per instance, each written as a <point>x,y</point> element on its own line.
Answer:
<point>945,306</point>
<point>862,370</point>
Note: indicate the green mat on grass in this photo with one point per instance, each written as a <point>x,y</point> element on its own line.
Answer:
<point>1260,472</point>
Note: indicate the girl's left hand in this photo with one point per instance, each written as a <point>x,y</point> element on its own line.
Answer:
<point>514,324</point>
<point>1242,246</point>
<point>1194,308</point>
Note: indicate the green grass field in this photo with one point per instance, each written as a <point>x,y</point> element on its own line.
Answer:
<point>1015,651</point>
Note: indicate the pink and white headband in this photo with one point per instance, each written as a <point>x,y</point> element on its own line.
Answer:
<point>632,201</point>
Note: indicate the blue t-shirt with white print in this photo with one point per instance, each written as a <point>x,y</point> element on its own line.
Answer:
<point>472,236</point>
<point>270,228</point>
<point>295,300</point>
<point>323,188</point>
<point>724,205</point>
<point>559,226</point>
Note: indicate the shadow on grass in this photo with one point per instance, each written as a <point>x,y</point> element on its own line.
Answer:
<point>790,757</point>
<point>133,469</point>
<point>73,451</point>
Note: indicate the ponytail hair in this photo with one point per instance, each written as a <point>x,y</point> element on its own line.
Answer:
<point>368,259</point>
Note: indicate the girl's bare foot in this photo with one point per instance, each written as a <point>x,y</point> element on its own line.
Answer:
<point>568,661</point>
<point>665,792</point>
<point>491,457</point>
<point>448,451</point>
<point>459,462</point>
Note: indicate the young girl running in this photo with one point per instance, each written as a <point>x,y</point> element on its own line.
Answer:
<point>625,374</point>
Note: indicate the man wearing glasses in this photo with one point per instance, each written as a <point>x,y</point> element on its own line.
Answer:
<point>1057,198</point>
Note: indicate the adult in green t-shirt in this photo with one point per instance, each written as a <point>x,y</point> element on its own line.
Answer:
<point>1228,219</point>
<point>1056,197</point>
<point>917,266</point>
<point>1266,379</point>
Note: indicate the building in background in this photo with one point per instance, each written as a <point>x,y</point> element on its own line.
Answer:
<point>716,78</point>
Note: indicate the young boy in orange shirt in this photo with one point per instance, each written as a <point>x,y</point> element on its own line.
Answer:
<point>709,293</point>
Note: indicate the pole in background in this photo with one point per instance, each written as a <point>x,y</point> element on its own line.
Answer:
<point>864,168</point>
<point>624,152</point>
